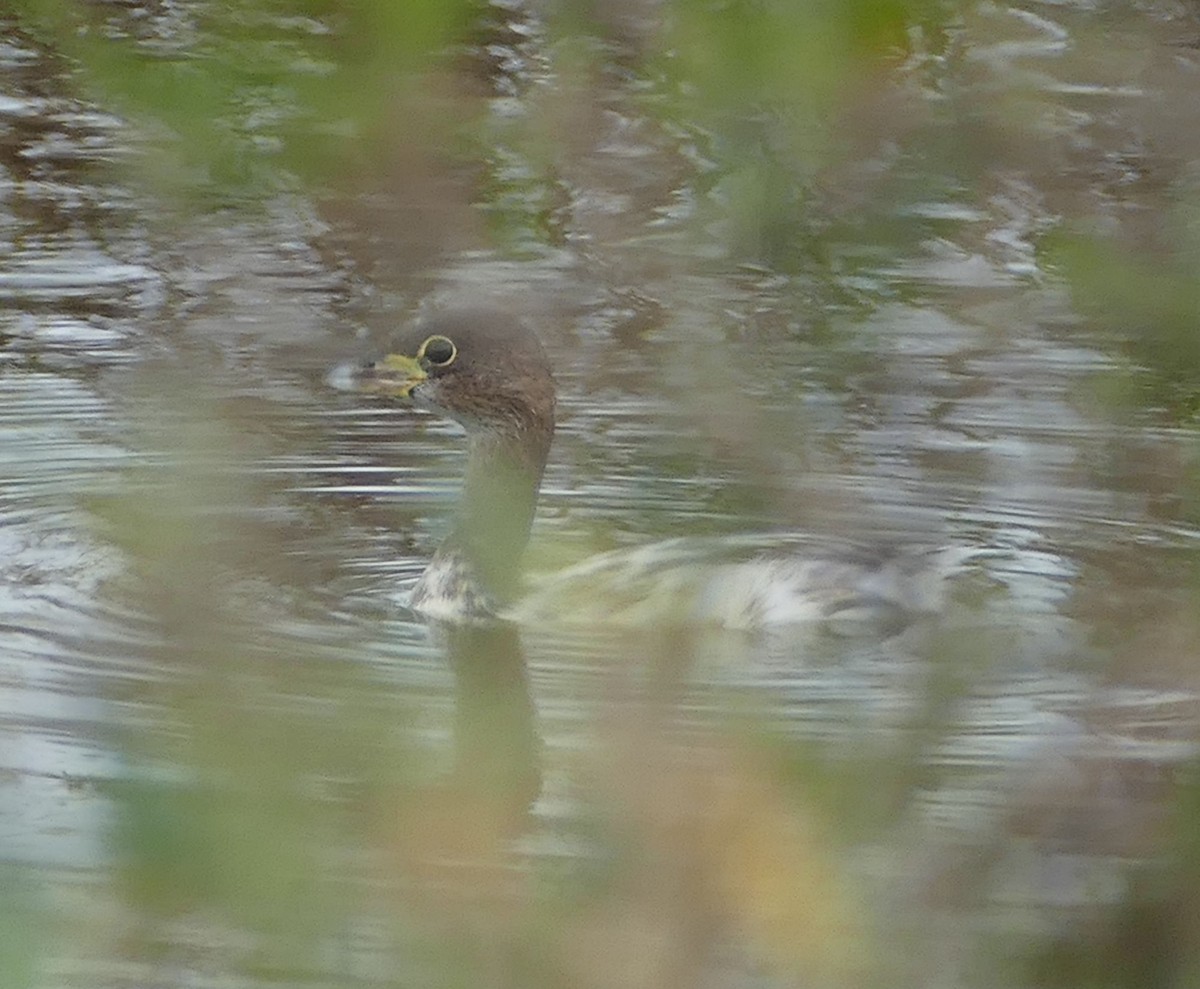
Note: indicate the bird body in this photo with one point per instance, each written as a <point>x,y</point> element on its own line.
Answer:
<point>747,583</point>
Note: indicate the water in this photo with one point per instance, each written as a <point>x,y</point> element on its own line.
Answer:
<point>203,546</point>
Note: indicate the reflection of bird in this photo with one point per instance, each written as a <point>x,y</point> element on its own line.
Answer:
<point>486,370</point>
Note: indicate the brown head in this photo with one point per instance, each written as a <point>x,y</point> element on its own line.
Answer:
<point>483,368</point>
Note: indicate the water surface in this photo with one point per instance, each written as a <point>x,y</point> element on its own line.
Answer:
<point>205,548</point>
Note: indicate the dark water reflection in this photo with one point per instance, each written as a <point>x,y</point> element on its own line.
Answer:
<point>172,462</point>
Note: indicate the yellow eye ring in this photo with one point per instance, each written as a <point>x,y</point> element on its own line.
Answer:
<point>438,351</point>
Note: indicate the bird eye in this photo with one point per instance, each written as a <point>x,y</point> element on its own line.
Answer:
<point>438,351</point>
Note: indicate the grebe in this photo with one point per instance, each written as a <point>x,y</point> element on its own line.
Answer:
<point>487,370</point>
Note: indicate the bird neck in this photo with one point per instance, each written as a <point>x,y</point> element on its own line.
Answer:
<point>491,528</point>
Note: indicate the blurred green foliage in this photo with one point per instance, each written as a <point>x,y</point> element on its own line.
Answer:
<point>264,758</point>
<point>1148,307</point>
<point>247,96</point>
<point>243,93</point>
<point>22,929</point>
